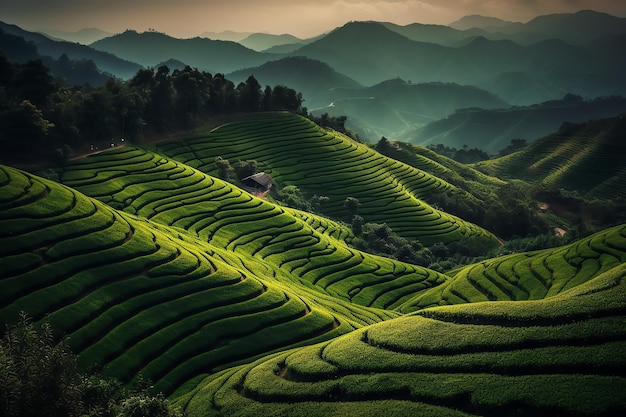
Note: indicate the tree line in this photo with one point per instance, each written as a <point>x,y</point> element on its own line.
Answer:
<point>42,116</point>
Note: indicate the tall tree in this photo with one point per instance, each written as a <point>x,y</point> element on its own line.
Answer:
<point>250,95</point>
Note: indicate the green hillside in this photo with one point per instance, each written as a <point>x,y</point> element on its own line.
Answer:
<point>532,275</point>
<point>588,158</point>
<point>301,248</point>
<point>558,356</point>
<point>295,151</point>
<point>235,306</point>
<point>493,129</point>
<point>138,296</point>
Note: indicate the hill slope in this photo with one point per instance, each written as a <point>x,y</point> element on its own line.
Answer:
<point>150,48</point>
<point>530,276</point>
<point>293,247</point>
<point>237,306</point>
<point>585,157</point>
<point>558,356</point>
<point>135,295</point>
<point>296,151</point>
<point>492,130</point>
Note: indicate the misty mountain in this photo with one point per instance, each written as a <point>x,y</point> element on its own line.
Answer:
<point>226,35</point>
<point>151,48</point>
<point>370,53</point>
<point>439,34</point>
<point>310,77</point>
<point>84,36</point>
<point>578,28</point>
<point>262,41</point>
<point>490,24</point>
<point>47,47</point>
<point>73,72</point>
<point>286,49</point>
<point>492,130</point>
<point>394,106</point>
<point>591,71</point>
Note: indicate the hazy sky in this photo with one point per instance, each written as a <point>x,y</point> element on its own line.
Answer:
<point>302,18</point>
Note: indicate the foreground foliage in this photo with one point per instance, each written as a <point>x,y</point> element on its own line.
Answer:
<point>39,377</point>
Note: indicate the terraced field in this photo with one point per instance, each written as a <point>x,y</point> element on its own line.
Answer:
<point>532,275</point>
<point>295,151</point>
<point>303,248</point>
<point>461,175</point>
<point>559,356</point>
<point>588,158</point>
<point>235,306</point>
<point>137,296</point>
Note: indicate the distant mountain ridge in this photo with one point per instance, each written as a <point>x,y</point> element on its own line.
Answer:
<point>395,106</point>
<point>226,35</point>
<point>479,21</point>
<point>579,28</point>
<point>150,48</point>
<point>263,41</point>
<point>492,130</point>
<point>105,61</point>
<point>371,53</point>
<point>84,36</point>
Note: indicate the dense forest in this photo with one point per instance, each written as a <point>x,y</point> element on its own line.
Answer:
<point>43,116</point>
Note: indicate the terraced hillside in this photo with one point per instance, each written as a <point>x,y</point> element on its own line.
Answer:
<point>235,306</point>
<point>135,296</point>
<point>295,151</point>
<point>532,275</point>
<point>588,158</point>
<point>475,183</point>
<point>302,248</point>
<point>559,356</point>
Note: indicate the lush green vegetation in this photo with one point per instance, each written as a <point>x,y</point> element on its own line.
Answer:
<point>531,275</point>
<point>234,305</point>
<point>43,118</point>
<point>326,163</point>
<point>135,296</point>
<point>40,377</point>
<point>579,157</point>
<point>558,356</point>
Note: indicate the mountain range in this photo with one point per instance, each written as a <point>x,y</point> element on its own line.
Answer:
<point>520,64</point>
<point>492,129</point>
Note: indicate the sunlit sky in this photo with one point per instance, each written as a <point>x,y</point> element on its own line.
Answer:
<point>302,18</point>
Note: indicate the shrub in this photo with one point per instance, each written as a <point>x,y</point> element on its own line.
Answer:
<point>39,377</point>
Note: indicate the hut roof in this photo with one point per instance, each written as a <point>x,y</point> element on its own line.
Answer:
<point>261,178</point>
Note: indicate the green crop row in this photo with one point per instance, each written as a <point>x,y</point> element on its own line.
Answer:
<point>560,355</point>
<point>138,296</point>
<point>534,275</point>
<point>297,152</point>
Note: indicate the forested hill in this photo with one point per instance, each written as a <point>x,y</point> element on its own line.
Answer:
<point>53,121</point>
<point>492,129</point>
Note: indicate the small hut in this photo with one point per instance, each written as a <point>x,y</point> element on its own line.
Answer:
<point>258,182</point>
